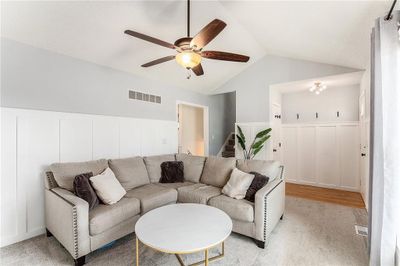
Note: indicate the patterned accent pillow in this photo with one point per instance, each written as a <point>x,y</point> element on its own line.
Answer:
<point>172,172</point>
<point>84,190</point>
<point>258,183</point>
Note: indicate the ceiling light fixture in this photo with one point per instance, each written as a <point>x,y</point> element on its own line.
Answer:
<point>318,87</point>
<point>188,59</point>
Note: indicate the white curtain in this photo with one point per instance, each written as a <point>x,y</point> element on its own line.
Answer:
<point>385,180</point>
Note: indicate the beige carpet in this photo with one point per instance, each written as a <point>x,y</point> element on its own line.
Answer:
<point>311,233</point>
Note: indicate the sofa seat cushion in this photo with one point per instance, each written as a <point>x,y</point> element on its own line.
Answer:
<point>267,168</point>
<point>241,210</point>
<point>152,196</point>
<point>217,171</point>
<point>192,166</point>
<point>197,193</point>
<point>130,172</point>
<point>175,185</point>
<point>153,165</point>
<point>104,217</point>
<point>64,173</point>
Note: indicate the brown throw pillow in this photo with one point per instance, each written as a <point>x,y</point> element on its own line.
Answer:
<point>172,172</point>
<point>258,182</point>
<point>83,189</point>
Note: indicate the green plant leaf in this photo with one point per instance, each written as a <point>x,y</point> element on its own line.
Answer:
<point>241,142</point>
<point>255,151</point>
<point>260,142</point>
<point>241,134</point>
<point>263,133</point>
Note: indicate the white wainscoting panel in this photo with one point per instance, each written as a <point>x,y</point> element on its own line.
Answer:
<point>250,130</point>
<point>306,155</point>
<point>289,140</point>
<point>106,138</point>
<point>76,139</point>
<point>130,136</point>
<point>349,156</point>
<point>325,155</point>
<point>327,162</point>
<point>9,185</point>
<point>31,140</point>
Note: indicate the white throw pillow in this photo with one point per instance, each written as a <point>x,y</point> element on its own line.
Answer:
<point>107,187</point>
<point>238,184</point>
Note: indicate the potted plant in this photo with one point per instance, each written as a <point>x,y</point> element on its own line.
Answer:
<point>256,145</point>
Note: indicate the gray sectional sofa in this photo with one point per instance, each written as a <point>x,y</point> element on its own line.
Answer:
<point>81,231</point>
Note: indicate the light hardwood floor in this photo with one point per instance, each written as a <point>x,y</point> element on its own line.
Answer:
<point>346,198</point>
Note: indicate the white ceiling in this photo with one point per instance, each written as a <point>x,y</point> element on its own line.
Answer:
<point>331,82</point>
<point>333,32</point>
<point>329,32</point>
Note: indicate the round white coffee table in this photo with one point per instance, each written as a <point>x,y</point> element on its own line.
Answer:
<point>182,229</point>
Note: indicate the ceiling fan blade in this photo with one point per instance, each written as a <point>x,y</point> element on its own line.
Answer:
<point>198,70</point>
<point>159,61</point>
<point>150,39</point>
<point>208,33</point>
<point>224,56</point>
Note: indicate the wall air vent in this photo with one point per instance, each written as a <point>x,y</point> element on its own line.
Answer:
<point>141,96</point>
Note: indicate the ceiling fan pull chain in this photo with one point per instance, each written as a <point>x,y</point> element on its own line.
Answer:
<point>189,73</point>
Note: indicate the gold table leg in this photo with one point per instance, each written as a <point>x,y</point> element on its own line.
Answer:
<point>137,251</point>
<point>206,259</point>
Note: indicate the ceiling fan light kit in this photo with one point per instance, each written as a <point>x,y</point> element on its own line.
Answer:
<point>188,59</point>
<point>189,49</point>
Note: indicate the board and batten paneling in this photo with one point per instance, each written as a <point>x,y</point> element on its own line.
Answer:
<point>325,155</point>
<point>306,155</point>
<point>250,130</point>
<point>289,147</point>
<point>31,140</point>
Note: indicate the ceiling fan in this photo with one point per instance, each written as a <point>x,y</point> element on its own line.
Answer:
<point>190,49</point>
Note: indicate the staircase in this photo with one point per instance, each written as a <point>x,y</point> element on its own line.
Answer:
<point>229,149</point>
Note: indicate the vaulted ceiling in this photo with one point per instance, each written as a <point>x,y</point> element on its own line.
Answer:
<point>334,32</point>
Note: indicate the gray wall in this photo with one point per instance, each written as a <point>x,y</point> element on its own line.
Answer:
<point>33,78</point>
<point>252,85</point>
<point>343,99</point>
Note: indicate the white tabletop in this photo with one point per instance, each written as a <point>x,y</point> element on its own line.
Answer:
<point>183,228</point>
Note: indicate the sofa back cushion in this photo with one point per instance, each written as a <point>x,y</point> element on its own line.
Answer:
<point>267,168</point>
<point>153,165</point>
<point>130,172</point>
<point>217,171</point>
<point>192,166</point>
<point>64,173</point>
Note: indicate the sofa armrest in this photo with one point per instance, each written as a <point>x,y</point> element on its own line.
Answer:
<point>269,207</point>
<point>67,218</point>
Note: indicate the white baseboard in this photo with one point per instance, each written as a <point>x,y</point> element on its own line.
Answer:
<point>321,185</point>
<point>18,238</point>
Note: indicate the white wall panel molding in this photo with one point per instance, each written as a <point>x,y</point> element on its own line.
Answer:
<point>31,140</point>
<point>325,155</point>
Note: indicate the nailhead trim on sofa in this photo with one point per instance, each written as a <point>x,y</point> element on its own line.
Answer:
<point>75,231</point>
<point>51,180</point>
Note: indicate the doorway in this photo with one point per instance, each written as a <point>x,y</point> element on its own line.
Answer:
<point>192,129</point>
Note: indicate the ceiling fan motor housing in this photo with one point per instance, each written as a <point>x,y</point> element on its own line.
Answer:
<point>184,43</point>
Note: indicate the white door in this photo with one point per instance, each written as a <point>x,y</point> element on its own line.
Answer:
<point>276,132</point>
